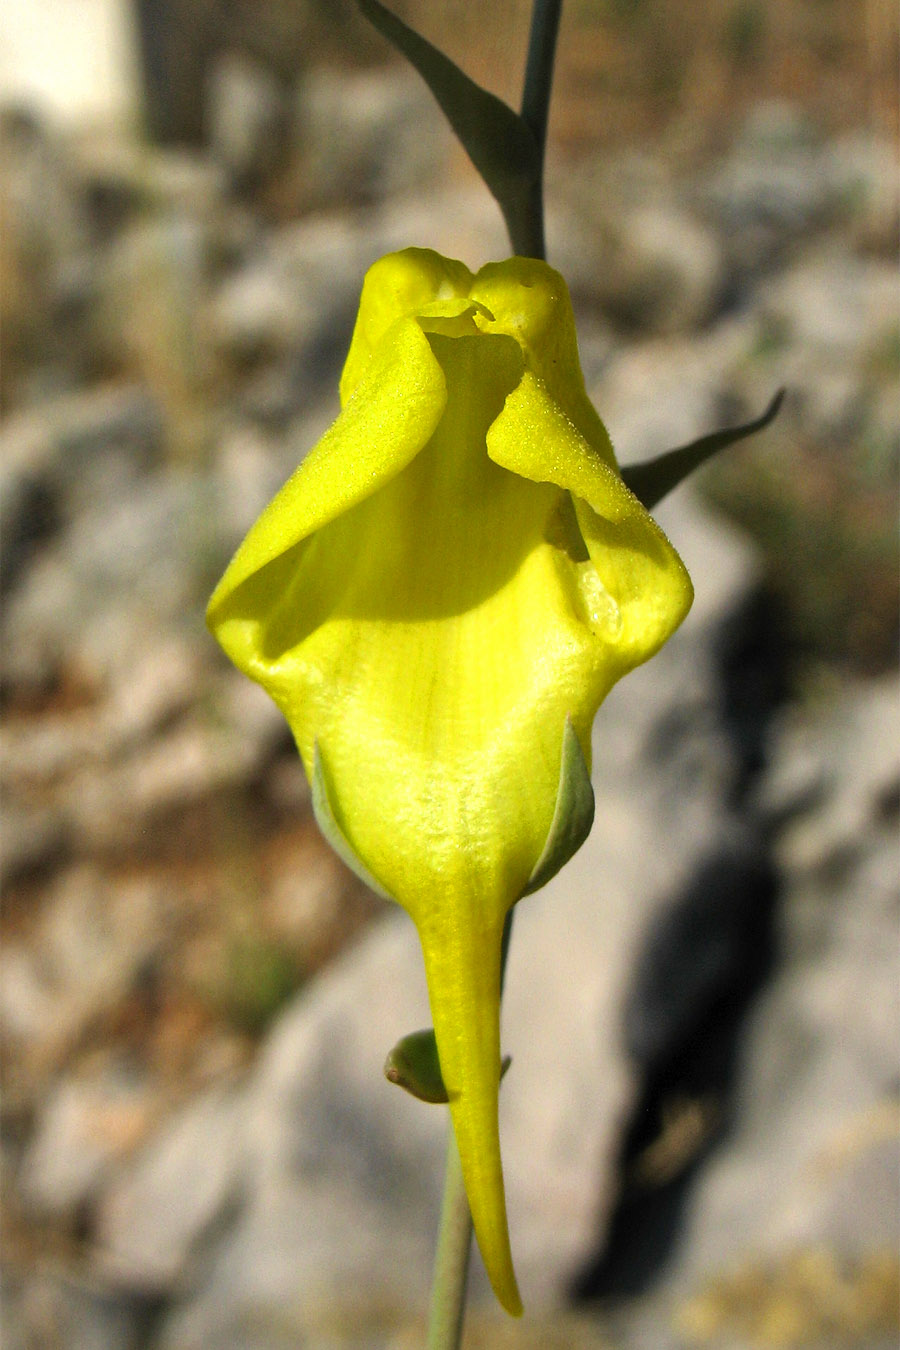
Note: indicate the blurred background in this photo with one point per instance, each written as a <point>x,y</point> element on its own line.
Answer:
<point>700,1125</point>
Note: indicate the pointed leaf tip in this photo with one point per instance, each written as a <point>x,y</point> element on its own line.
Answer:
<point>655,479</point>
<point>573,815</point>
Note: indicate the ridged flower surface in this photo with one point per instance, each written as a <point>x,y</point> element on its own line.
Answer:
<point>454,574</point>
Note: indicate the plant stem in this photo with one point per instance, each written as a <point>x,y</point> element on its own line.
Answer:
<point>526,225</point>
<point>526,233</point>
<point>451,1261</point>
<point>539,68</point>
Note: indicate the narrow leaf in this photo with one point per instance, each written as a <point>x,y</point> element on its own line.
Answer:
<point>653,480</point>
<point>573,815</point>
<point>497,141</point>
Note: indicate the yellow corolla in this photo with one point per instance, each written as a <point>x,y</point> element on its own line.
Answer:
<point>438,600</point>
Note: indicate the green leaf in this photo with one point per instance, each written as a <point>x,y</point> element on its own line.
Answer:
<point>498,142</point>
<point>413,1064</point>
<point>653,480</point>
<point>321,804</point>
<point>573,815</point>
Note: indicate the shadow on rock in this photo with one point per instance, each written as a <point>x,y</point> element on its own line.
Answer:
<point>695,981</point>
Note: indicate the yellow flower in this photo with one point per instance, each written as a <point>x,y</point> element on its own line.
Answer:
<point>438,600</point>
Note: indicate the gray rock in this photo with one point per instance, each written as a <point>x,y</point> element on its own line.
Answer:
<point>41,752</point>
<point>124,178</point>
<point>459,221</point>
<point>79,793</point>
<point>161,686</point>
<point>255,313</point>
<point>39,189</point>
<point>94,602</point>
<point>88,945</point>
<point>297,291</point>
<point>290,306</point>
<point>777,126</point>
<point>836,772</point>
<point>156,1212</point>
<point>830,315</point>
<point>369,135</point>
<point>831,304</point>
<point>288,311</point>
<point>146,793</point>
<point>339,1171</point>
<point>49,1308</point>
<point>775,186</point>
<point>652,269</point>
<point>655,395</point>
<point>85,1127</point>
<point>279,393</point>
<point>808,1170</point>
<point>58,460</point>
<point>246,116</point>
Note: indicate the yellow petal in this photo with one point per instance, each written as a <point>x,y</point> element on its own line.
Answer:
<point>395,287</point>
<point>633,588</point>
<point>530,301</point>
<point>397,407</point>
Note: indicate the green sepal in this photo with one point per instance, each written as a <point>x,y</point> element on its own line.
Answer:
<point>573,814</point>
<point>321,805</point>
<point>413,1064</point>
<point>499,143</point>
<point>653,480</point>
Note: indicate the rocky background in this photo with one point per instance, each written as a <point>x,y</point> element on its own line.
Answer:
<point>700,1124</point>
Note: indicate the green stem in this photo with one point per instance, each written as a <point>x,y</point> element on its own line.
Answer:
<point>526,223</point>
<point>526,233</point>
<point>539,68</point>
<point>451,1261</point>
